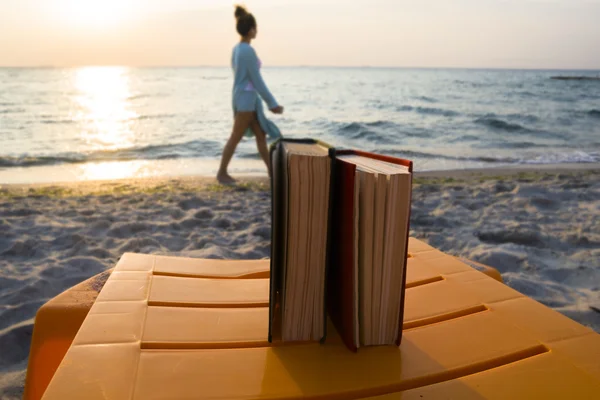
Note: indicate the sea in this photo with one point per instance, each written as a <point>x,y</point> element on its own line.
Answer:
<point>75,124</point>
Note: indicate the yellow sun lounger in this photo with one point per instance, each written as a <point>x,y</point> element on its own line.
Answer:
<point>179,328</point>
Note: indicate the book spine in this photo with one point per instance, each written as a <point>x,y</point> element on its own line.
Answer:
<point>341,265</point>
<point>403,293</point>
<point>275,218</point>
<point>271,297</point>
<point>328,258</point>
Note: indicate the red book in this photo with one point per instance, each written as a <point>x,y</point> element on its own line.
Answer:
<point>368,247</point>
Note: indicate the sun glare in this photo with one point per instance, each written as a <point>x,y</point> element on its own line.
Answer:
<point>105,112</point>
<point>95,13</point>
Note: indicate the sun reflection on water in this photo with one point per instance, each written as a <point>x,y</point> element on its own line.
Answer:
<point>114,170</point>
<point>105,109</point>
<point>105,115</point>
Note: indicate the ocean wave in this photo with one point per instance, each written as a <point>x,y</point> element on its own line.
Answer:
<point>249,156</point>
<point>351,127</point>
<point>594,113</point>
<point>155,116</point>
<point>566,99</point>
<point>553,135</point>
<point>471,83</point>
<point>465,138</point>
<point>12,111</point>
<point>368,131</point>
<point>50,121</point>
<point>355,126</point>
<point>527,118</point>
<point>527,94</point>
<point>574,157</point>
<point>589,96</point>
<point>381,124</point>
<point>34,161</point>
<point>499,124</point>
<point>508,145</point>
<point>414,154</point>
<point>382,132</point>
<point>195,148</point>
<point>370,136</point>
<point>429,111</point>
<point>436,111</point>
<point>519,145</point>
<point>57,121</point>
<point>379,105</point>
<point>418,154</point>
<point>426,99</point>
<point>138,96</point>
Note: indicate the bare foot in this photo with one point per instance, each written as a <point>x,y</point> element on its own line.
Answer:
<point>225,179</point>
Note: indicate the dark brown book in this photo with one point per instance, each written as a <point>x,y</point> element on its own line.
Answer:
<point>301,203</point>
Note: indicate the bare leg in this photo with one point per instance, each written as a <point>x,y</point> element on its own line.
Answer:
<point>241,123</point>
<point>261,144</point>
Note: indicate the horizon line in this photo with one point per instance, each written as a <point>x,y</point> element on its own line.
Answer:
<point>296,66</point>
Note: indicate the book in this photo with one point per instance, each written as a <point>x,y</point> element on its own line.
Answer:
<point>301,203</point>
<point>340,223</point>
<point>369,230</point>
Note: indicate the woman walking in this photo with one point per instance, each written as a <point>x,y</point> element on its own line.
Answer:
<point>248,84</point>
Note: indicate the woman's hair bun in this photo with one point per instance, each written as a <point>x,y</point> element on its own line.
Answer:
<point>244,21</point>
<point>240,11</point>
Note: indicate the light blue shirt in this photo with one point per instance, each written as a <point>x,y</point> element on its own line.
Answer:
<point>247,79</point>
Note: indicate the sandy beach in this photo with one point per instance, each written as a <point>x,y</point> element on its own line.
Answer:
<point>538,226</point>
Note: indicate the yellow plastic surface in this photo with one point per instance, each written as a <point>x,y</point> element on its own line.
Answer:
<point>201,292</point>
<point>56,324</point>
<point>545,376</point>
<point>222,269</point>
<point>489,271</point>
<point>168,327</point>
<point>466,336</point>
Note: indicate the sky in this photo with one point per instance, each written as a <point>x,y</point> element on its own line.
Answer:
<point>545,34</point>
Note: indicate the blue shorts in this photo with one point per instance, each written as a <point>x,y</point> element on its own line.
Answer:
<point>245,101</point>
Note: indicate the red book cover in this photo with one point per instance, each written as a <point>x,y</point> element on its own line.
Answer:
<point>340,281</point>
